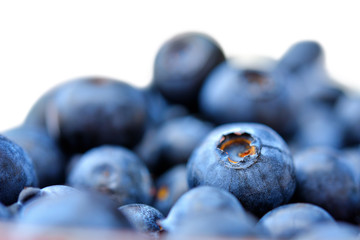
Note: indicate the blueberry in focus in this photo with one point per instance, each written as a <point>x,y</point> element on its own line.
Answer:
<point>203,200</point>
<point>16,171</point>
<point>182,64</point>
<point>240,91</point>
<point>48,159</point>
<point>323,178</point>
<point>289,220</point>
<point>143,217</point>
<point>115,171</point>
<point>170,186</point>
<point>249,160</point>
<point>89,112</point>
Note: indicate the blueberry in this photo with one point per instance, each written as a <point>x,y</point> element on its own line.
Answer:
<point>307,79</point>
<point>5,213</point>
<point>181,65</point>
<point>93,111</point>
<point>143,217</point>
<point>49,161</point>
<point>249,160</point>
<point>239,92</point>
<point>318,125</point>
<point>37,114</point>
<point>302,55</point>
<point>159,110</point>
<point>217,224</point>
<point>16,171</point>
<point>324,179</point>
<point>347,108</point>
<point>172,142</point>
<point>78,209</point>
<point>29,194</point>
<point>198,201</point>
<point>115,171</point>
<point>331,232</point>
<point>170,186</point>
<point>289,220</point>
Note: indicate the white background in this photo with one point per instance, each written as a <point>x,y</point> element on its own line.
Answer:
<point>44,42</point>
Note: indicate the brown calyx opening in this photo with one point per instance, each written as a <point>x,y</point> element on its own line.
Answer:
<point>99,81</point>
<point>256,77</point>
<point>237,146</point>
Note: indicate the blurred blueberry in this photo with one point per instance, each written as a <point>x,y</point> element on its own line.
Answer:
<point>182,64</point>
<point>247,92</point>
<point>348,109</point>
<point>289,220</point>
<point>319,126</point>
<point>115,171</point>
<point>217,224</point>
<point>49,161</point>
<point>89,112</point>
<point>324,179</point>
<point>331,232</point>
<point>77,209</point>
<point>172,142</point>
<point>170,186</point>
<point>201,201</point>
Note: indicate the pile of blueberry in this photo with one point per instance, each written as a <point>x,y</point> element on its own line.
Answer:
<point>214,146</point>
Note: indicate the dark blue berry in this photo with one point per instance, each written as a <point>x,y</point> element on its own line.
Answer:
<point>182,64</point>
<point>249,160</point>
<point>115,171</point>
<point>49,161</point>
<point>16,171</point>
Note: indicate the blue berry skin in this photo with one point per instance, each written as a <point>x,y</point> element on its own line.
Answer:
<point>143,217</point>
<point>319,125</point>
<point>289,220</point>
<point>172,142</point>
<point>48,159</point>
<point>115,171</point>
<point>16,171</point>
<point>94,111</point>
<point>159,110</point>
<point>78,209</point>
<point>182,64</point>
<point>169,188</point>
<point>198,201</point>
<point>5,213</point>
<point>37,114</point>
<point>302,55</point>
<point>238,92</point>
<point>303,67</point>
<point>323,178</point>
<point>54,191</point>
<point>331,231</point>
<point>218,224</point>
<point>249,160</point>
<point>348,109</point>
